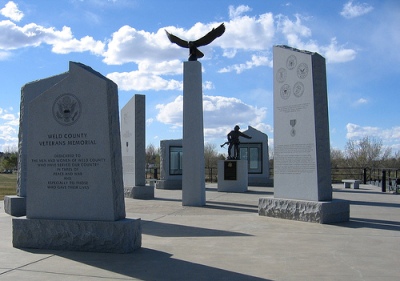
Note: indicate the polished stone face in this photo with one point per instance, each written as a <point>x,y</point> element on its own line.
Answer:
<point>74,168</point>
<point>301,127</point>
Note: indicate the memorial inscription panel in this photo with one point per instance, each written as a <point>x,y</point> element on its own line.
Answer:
<point>73,168</point>
<point>230,170</point>
<point>300,124</point>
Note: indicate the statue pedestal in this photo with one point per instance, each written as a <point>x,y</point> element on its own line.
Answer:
<point>193,179</point>
<point>232,176</point>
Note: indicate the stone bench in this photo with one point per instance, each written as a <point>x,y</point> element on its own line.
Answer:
<point>350,183</point>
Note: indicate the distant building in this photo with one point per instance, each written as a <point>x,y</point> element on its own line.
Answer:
<point>255,151</point>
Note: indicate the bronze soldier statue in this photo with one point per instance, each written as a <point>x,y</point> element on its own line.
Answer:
<point>233,140</point>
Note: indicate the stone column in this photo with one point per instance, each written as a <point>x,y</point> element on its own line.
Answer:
<point>302,170</point>
<point>193,180</point>
<point>133,144</point>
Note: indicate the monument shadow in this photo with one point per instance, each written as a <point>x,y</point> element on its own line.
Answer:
<point>146,264</point>
<point>372,223</point>
<point>161,229</point>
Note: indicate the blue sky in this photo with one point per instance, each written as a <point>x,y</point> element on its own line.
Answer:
<point>125,41</point>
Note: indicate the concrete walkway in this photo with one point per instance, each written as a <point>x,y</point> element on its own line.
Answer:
<point>227,240</point>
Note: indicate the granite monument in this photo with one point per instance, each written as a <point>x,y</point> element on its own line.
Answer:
<point>73,167</point>
<point>302,179</point>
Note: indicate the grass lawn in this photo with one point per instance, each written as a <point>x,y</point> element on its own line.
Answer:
<point>8,185</point>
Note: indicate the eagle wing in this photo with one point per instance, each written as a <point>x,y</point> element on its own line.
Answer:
<point>175,39</point>
<point>210,36</point>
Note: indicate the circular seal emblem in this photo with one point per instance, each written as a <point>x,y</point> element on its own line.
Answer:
<point>302,70</point>
<point>285,91</point>
<point>281,75</point>
<point>298,89</point>
<point>67,109</point>
<point>291,62</point>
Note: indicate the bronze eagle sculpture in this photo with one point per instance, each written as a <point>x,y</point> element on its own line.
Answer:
<point>194,53</point>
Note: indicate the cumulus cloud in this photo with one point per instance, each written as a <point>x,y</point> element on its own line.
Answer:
<point>255,61</point>
<point>351,10</point>
<point>247,33</point>
<point>156,57</point>
<point>337,54</point>
<point>130,45</point>
<point>8,129</point>
<point>238,11</point>
<point>297,35</point>
<point>219,114</point>
<point>142,81</point>
<point>389,136</point>
<point>11,11</point>
<point>62,41</point>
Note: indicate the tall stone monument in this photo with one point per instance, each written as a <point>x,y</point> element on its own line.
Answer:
<point>73,166</point>
<point>133,145</point>
<point>302,170</point>
<point>193,178</point>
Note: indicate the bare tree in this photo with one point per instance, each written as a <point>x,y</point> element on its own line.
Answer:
<point>337,158</point>
<point>210,155</point>
<point>367,152</point>
<point>152,156</point>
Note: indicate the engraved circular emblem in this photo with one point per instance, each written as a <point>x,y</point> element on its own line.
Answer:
<point>285,91</point>
<point>298,89</point>
<point>67,109</point>
<point>302,70</point>
<point>281,75</point>
<point>291,62</point>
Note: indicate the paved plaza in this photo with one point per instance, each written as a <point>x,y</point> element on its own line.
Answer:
<point>228,240</point>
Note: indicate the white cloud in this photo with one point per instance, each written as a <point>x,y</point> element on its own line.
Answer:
<point>238,11</point>
<point>220,115</point>
<point>297,36</point>
<point>149,121</point>
<point>142,81</point>
<point>247,33</point>
<point>11,11</point>
<point>62,41</point>
<point>130,45</point>
<point>255,61</point>
<point>390,137</point>
<point>208,85</point>
<point>171,113</point>
<point>336,54</point>
<point>4,55</point>
<point>361,101</point>
<point>351,10</point>
<point>8,130</point>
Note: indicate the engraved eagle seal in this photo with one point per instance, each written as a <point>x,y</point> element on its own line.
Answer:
<point>66,109</point>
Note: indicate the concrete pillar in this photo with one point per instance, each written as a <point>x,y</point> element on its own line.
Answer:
<point>193,181</point>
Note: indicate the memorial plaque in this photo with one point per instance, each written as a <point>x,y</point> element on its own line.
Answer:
<point>74,166</point>
<point>302,168</point>
<point>301,127</point>
<point>230,170</point>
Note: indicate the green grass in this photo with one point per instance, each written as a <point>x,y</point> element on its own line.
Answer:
<point>8,185</point>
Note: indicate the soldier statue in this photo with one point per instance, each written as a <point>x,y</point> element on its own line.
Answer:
<point>233,141</point>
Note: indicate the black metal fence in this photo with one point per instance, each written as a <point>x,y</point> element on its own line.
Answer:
<point>365,175</point>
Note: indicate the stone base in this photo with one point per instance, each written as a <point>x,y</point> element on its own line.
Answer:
<point>169,184</point>
<point>309,211</point>
<point>140,192</point>
<point>122,236</point>
<point>15,205</point>
<point>240,184</point>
